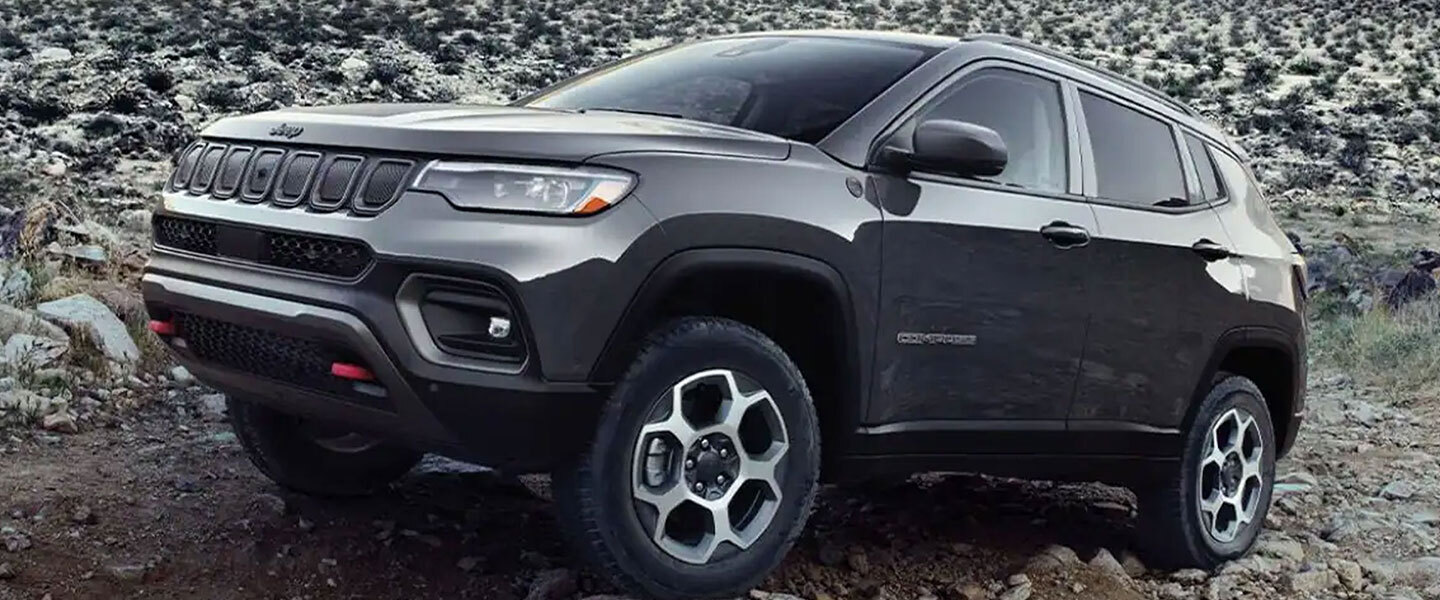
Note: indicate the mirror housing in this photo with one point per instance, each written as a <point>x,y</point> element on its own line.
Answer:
<point>953,148</point>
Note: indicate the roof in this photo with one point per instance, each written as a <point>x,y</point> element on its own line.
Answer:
<point>895,37</point>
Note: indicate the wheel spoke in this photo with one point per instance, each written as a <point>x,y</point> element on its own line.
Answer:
<point>675,425</point>
<point>665,502</point>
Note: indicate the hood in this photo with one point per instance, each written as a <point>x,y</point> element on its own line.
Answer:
<point>497,132</point>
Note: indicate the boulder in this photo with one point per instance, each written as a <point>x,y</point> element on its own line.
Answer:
<point>27,352</point>
<point>84,313</point>
<point>14,320</point>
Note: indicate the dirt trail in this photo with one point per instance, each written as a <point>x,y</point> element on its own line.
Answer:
<point>164,505</point>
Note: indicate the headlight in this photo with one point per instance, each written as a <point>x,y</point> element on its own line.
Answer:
<point>521,188</point>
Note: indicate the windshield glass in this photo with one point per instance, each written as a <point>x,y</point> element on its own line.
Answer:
<point>800,88</point>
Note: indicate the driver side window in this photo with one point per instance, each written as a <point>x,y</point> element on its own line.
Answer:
<point>1026,111</point>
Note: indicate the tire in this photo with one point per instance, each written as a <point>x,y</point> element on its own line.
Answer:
<point>1174,531</point>
<point>599,496</point>
<point>285,449</point>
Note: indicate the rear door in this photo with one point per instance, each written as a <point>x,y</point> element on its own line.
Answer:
<point>1163,278</point>
<point>984,280</point>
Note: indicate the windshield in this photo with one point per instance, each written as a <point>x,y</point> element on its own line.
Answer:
<point>800,88</point>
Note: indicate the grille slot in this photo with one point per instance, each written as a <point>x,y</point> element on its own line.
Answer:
<point>336,183</point>
<point>296,252</point>
<point>261,174</point>
<point>232,169</point>
<point>296,361</point>
<point>205,169</point>
<point>381,185</point>
<point>298,172</point>
<point>186,167</point>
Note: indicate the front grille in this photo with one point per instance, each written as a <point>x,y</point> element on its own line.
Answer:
<point>288,177</point>
<point>293,251</point>
<point>296,361</point>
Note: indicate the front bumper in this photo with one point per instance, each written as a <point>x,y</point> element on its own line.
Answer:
<point>513,422</point>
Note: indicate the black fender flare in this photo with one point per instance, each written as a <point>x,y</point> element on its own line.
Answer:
<point>1256,337</point>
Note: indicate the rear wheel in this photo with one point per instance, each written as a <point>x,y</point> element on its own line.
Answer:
<point>1214,507</point>
<point>315,458</point>
<point>704,467</point>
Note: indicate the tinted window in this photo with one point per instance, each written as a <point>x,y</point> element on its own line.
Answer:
<point>1136,160</point>
<point>1025,111</point>
<point>1211,189</point>
<point>800,88</point>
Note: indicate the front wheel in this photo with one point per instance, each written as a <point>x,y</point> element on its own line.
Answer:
<point>1212,510</point>
<point>704,467</point>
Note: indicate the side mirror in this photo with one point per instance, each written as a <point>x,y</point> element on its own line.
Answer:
<point>952,147</point>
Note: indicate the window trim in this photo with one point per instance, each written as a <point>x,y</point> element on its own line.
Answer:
<point>1074,181</point>
<point>1092,189</point>
<point>1209,148</point>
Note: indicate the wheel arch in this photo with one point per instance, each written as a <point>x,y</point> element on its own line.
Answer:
<point>1273,361</point>
<point>830,361</point>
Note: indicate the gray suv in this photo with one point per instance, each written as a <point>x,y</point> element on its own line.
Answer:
<point>696,283</point>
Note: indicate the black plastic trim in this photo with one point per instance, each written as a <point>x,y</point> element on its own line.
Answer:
<point>358,206</point>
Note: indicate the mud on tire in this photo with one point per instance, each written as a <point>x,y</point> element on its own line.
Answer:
<point>641,501</point>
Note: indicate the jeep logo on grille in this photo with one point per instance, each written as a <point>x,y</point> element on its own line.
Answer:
<point>286,131</point>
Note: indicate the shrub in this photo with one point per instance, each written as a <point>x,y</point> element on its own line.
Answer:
<point>1397,351</point>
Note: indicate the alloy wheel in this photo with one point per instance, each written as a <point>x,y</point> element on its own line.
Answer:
<point>1231,479</point>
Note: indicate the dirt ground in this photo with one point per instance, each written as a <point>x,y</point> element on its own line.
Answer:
<point>163,504</point>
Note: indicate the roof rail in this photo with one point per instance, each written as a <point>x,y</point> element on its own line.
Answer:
<point>1075,62</point>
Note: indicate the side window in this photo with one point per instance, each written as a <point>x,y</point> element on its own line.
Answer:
<point>1211,188</point>
<point>1136,159</point>
<point>1025,111</point>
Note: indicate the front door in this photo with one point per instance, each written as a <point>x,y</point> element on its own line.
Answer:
<point>984,282</point>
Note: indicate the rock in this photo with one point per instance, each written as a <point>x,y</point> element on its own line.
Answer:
<point>126,573</point>
<point>1018,579</point>
<point>89,253</point>
<point>1223,588</point>
<point>62,421</point>
<point>1019,592</point>
<point>1402,489</point>
<point>16,285</point>
<point>184,102</point>
<point>1350,574</point>
<point>1172,591</point>
<point>182,377</point>
<point>14,540</point>
<point>212,407</point>
<point>7,572</point>
<point>84,313</point>
<point>1314,580</point>
<point>468,563</point>
<point>971,591</point>
<point>54,54</point>
<point>354,68</point>
<point>1190,576</point>
<point>1053,558</point>
<point>186,485</point>
<point>553,584</point>
<point>1282,549</point>
<point>1131,563</point>
<point>858,561</point>
<point>14,320</point>
<point>28,352</point>
<point>830,554</point>
<point>1105,562</point>
<point>1424,516</point>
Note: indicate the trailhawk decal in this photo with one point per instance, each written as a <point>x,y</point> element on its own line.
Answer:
<point>910,338</point>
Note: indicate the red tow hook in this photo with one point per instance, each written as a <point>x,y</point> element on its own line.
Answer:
<point>162,327</point>
<point>351,372</point>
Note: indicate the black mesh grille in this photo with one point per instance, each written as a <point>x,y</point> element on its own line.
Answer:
<point>301,362</point>
<point>310,254</point>
<point>262,172</point>
<point>317,255</point>
<point>231,171</point>
<point>335,184</point>
<point>186,166</point>
<point>184,234</point>
<point>292,177</point>
<point>205,170</point>
<point>296,178</point>
<point>382,185</point>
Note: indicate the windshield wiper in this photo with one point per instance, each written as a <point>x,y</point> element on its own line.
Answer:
<point>634,111</point>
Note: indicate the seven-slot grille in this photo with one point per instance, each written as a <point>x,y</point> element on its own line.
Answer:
<point>293,251</point>
<point>292,177</point>
<point>297,361</point>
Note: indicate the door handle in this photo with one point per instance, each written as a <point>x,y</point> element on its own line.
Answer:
<point>1211,251</point>
<point>1065,235</point>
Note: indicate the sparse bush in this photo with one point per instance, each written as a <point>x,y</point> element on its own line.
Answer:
<point>1398,352</point>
